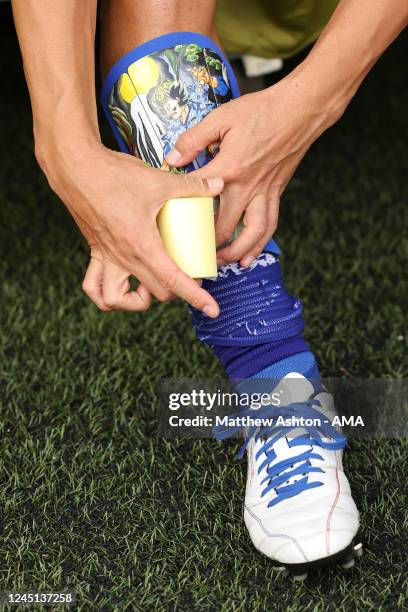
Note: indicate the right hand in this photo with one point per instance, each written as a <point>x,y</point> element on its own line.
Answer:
<point>108,286</point>
<point>115,199</point>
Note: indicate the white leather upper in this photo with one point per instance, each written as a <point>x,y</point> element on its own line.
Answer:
<point>313,524</point>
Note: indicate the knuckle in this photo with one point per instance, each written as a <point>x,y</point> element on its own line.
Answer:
<point>224,233</point>
<point>164,296</point>
<point>86,287</point>
<point>196,302</point>
<point>234,255</point>
<point>185,141</point>
<point>168,280</point>
<point>213,130</point>
<point>197,185</point>
<point>259,231</point>
<point>231,253</point>
<point>185,183</point>
<point>110,302</point>
<point>103,307</point>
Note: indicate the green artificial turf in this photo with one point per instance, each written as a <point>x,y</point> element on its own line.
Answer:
<point>91,498</point>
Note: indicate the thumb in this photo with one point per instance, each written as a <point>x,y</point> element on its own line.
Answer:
<point>186,185</point>
<point>194,140</point>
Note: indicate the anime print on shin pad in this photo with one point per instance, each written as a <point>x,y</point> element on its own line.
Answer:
<point>164,93</point>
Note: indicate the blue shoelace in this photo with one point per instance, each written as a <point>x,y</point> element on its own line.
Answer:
<point>280,472</point>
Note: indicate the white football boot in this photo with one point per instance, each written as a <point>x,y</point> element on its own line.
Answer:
<point>298,505</point>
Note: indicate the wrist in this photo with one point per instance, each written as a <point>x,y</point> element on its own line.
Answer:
<point>326,93</point>
<point>334,69</point>
<point>58,151</point>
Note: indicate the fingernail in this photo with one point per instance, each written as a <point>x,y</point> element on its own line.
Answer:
<point>215,184</point>
<point>247,261</point>
<point>173,157</point>
<point>210,311</point>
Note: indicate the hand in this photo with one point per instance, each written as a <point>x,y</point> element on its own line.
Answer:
<point>115,200</point>
<point>108,286</point>
<point>262,137</point>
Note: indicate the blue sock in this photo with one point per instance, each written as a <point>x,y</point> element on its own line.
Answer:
<point>259,332</point>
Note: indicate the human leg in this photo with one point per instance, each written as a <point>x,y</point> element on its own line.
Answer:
<point>159,89</point>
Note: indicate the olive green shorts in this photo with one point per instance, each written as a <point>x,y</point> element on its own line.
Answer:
<point>271,28</point>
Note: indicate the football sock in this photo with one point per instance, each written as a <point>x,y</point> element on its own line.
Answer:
<point>259,332</point>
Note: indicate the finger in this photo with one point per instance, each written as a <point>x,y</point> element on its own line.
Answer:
<point>175,281</point>
<point>139,300</point>
<point>232,206</point>
<point>144,293</point>
<point>151,284</point>
<point>194,140</point>
<point>255,220</point>
<point>185,185</point>
<point>272,224</point>
<point>117,293</point>
<point>142,273</point>
<point>96,252</point>
<point>93,282</point>
<point>223,165</point>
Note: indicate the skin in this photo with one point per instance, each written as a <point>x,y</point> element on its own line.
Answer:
<point>263,136</point>
<point>113,197</point>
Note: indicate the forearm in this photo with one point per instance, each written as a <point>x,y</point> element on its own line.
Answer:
<point>57,40</point>
<point>357,34</point>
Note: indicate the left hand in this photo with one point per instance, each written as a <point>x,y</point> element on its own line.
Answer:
<point>263,136</point>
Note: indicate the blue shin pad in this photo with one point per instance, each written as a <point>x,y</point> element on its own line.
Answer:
<point>161,89</point>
